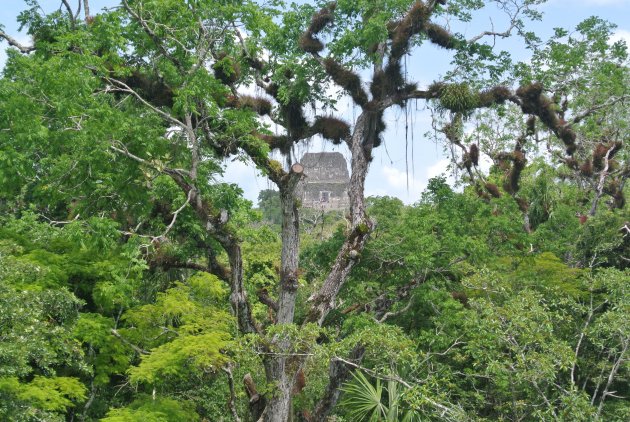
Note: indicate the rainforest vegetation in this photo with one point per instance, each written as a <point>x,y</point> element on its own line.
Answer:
<point>137,284</point>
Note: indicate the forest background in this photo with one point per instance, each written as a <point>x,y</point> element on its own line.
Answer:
<point>137,283</point>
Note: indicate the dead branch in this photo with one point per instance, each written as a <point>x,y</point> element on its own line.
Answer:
<point>137,349</point>
<point>123,87</point>
<point>232,399</point>
<point>25,49</point>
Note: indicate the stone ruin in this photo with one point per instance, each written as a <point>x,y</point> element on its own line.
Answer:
<point>325,186</point>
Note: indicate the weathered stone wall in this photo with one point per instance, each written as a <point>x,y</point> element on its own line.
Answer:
<point>326,183</point>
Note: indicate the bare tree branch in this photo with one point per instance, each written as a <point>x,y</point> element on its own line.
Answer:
<point>611,101</point>
<point>493,33</point>
<point>600,185</point>
<point>154,37</point>
<point>232,399</point>
<point>86,9</point>
<point>137,349</point>
<point>611,376</point>
<point>123,87</point>
<point>14,43</point>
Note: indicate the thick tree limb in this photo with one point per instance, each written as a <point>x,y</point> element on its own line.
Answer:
<point>290,245</point>
<point>25,49</point>
<point>70,12</point>
<point>215,226</point>
<point>86,9</point>
<point>361,143</point>
<point>338,373</point>
<point>263,296</point>
<point>256,401</point>
<point>169,262</point>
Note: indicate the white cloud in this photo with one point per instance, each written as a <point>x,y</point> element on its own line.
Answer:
<point>399,183</point>
<point>620,34</point>
<point>247,178</point>
<point>439,168</point>
<point>20,38</point>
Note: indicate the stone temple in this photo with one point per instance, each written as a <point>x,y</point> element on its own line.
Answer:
<point>325,186</point>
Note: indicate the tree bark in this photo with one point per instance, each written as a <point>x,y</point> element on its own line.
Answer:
<point>338,373</point>
<point>289,259</point>
<point>360,144</point>
<point>280,370</point>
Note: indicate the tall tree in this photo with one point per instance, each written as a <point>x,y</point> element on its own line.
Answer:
<point>130,113</point>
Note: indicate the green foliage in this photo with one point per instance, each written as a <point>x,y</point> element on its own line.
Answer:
<point>269,204</point>
<point>186,329</point>
<point>107,357</point>
<point>463,313</point>
<point>156,409</point>
<point>42,397</point>
<point>365,401</point>
<point>457,98</point>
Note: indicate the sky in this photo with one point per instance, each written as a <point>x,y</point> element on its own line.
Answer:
<point>406,161</point>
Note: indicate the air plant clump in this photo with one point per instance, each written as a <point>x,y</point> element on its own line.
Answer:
<point>388,81</point>
<point>440,36</point>
<point>619,199</point>
<point>511,184</point>
<point>331,128</point>
<point>310,44</point>
<point>502,160</point>
<point>474,154</point>
<point>152,87</point>
<point>523,205</point>
<point>226,69</point>
<point>493,190</point>
<point>568,136</point>
<point>572,163</point>
<point>260,105</point>
<point>322,18</point>
<point>531,125</point>
<point>376,127</point>
<point>534,102</point>
<point>273,89</point>
<point>254,63</point>
<point>481,193</point>
<point>616,147</point>
<point>294,117</point>
<point>466,161</point>
<point>379,129</point>
<point>436,89</point>
<point>392,26</point>
<point>614,188</point>
<point>599,153</point>
<point>587,168</point>
<point>280,142</point>
<point>347,79</point>
<point>495,95</point>
<point>457,97</point>
<point>409,26</point>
